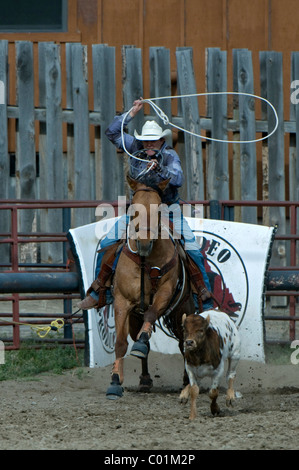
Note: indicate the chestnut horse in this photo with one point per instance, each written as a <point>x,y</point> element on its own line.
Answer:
<point>146,284</point>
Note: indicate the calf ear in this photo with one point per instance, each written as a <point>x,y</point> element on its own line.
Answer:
<point>208,320</point>
<point>184,318</point>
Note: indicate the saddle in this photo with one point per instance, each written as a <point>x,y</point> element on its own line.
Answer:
<point>105,276</point>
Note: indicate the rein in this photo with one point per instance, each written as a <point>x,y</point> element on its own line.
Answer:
<point>155,273</point>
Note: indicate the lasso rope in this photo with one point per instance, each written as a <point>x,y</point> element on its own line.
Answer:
<point>166,121</point>
<point>42,331</point>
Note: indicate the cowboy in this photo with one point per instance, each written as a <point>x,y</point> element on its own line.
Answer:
<point>162,163</point>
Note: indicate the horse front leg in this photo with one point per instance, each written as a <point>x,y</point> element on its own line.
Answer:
<point>145,380</point>
<point>141,347</point>
<point>115,390</point>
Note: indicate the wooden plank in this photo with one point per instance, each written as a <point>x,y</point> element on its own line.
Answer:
<point>42,124</point>
<point>4,156</point>
<point>247,132</point>
<point>160,79</point>
<point>294,137</point>
<point>82,160</point>
<point>54,122</point>
<point>26,162</point>
<point>277,216</point>
<point>42,215</point>
<point>265,149</point>
<point>69,157</point>
<point>206,122</point>
<point>236,163</point>
<point>132,83</point>
<point>217,153</point>
<point>276,142</point>
<point>109,165</point>
<point>191,122</point>
<point>132,80</point>
<point>54,150</point>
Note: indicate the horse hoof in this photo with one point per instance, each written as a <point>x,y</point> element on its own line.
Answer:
<point>115,390</point>
<point>141,347</point>
<point>145,384</point>
<point>139,350</point>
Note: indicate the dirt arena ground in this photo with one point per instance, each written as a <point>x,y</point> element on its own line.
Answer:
<point>71,411</point>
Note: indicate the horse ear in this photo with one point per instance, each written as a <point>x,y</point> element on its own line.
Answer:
<point>131,182</point>
<point>208,320</point>
<point>162,186</point>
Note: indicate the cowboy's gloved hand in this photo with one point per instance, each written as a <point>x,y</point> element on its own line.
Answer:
<point>137,106</point>
<point>153,165</point>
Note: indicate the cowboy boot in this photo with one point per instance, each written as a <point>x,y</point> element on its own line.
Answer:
<point>203,296</point>
<point>99,285</point>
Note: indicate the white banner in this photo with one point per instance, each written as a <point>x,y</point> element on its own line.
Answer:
<point>236,257</point>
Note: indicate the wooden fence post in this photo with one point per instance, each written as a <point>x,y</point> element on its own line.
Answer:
<point>109,172</point>
<point>236,163</point>
<point>272,69</point>
<point>191,121</point>
<point>26,158</point>
<point>47,219</point>
<point>4,157</point>
<point>132,89</point>
<point>247,132</point>
<point>160,79</point>
<point>82,159</point>
<point>132,83</point>
<point>265,148</point>
<point>52,179</point>
<point>294,137</point>
<point>217,154</point>
<point>69,158</point>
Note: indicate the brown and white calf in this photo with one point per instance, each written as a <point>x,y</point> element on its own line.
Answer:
<point>210,339</point>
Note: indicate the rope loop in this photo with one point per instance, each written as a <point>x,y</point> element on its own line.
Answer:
<point>42,331</point>
<point>166,121</point>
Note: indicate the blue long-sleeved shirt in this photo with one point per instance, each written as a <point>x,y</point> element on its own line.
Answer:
<point>169,161</point>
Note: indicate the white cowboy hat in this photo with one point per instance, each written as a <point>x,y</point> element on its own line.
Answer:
<point>152,131</point>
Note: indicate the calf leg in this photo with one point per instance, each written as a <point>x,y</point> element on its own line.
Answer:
<point>184,395</point>
<point>230,377</point>
<point>213,394</point>
<point>194,392</point>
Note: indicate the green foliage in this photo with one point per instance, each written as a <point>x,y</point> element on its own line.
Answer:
<point>278,354</point>
<point>30,362</point>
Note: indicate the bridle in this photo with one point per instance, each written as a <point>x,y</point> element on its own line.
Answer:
<point>146,189</point>
<point>155,273</point>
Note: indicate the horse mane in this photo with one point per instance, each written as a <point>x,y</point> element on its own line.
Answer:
<point>150,181</point>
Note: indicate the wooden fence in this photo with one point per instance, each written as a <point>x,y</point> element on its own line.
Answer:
<point>76,161</point>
